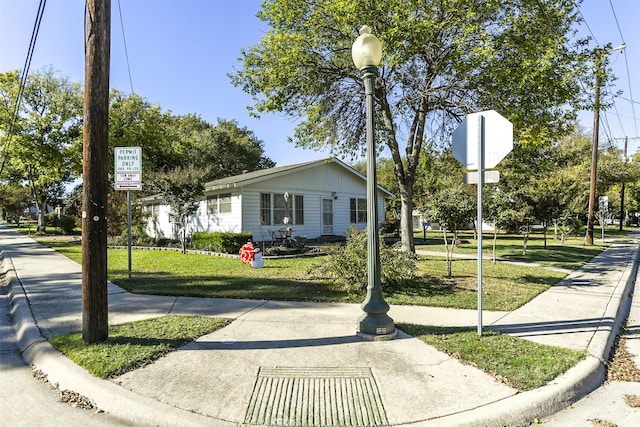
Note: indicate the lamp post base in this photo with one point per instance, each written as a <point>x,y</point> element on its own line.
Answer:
<point>376,327</point>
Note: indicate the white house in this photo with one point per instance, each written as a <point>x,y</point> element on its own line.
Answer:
<point>314,199</point>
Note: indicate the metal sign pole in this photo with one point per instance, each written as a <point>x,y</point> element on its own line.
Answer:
<point>480,182</point>
<point>129,230</point>
<point>500,143</point>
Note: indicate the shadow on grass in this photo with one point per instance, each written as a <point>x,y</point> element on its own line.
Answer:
<point>572,257</point>
<point>169,343</point>
<point>418,330</point>
<point>155,283</point>
<point>426,287</point>
<point>541,280</point>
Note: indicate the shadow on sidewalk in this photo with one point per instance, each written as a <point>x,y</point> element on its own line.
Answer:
<point>277,344</point>
<point>555,327</point>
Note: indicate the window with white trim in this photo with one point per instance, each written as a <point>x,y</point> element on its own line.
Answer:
<point>219,203</point>
<point>273,209</point>
<point>358,210</point>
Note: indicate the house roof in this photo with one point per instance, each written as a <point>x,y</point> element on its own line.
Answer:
<point>264,174</point>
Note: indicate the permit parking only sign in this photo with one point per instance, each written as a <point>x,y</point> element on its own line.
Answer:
<point>128,168</point>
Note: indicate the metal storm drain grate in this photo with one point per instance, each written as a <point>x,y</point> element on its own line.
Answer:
<point>315,397</point>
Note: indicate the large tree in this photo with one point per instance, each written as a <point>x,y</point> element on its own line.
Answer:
<point>175,143</point>
<point>46,133</point>
<point>135,122</point>
<point>442,59</point>
<point>225,149</point>
<point>181,188</point>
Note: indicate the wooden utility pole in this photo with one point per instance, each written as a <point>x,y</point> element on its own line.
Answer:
<point>594,153</point>
<point>95,326</point>
<point>599,53</point>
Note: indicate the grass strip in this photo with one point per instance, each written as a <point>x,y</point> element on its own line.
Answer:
<point>135,344</point>
<point>516,362</point>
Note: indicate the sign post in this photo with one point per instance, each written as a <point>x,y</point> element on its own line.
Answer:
<point>482,140</point>
<point>128,176</point>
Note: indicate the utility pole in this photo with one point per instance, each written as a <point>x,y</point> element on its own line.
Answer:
<point>622,215</point>
<point>95,326</point>
<point>594,152</point>
<point>596,131</point>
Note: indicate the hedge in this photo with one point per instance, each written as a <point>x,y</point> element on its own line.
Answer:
<point>228,243</point>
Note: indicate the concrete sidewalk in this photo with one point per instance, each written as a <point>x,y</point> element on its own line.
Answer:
<point>288,363</point>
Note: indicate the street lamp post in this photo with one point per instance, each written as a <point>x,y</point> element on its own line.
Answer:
<point>374,324</point>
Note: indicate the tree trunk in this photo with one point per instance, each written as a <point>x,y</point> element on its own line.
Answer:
<point>495,240</point>
<point>183,236</point>
<point>41,209</point>
<point>42,223</point>
<point>404,171</point>
<point>406,224</point>
<point>448,252</point>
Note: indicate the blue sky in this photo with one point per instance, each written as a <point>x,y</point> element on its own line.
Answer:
<point>180,52</point>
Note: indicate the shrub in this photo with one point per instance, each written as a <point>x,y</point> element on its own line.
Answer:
<point>347,267</point>
<point>228,243</point>
<point>390,227</point>
<point>143,240</point>
<point>67,224</point>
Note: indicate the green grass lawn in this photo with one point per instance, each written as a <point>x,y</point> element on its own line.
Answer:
<point>505,286</point>
<point>573,254</point>
<point>136,344</point>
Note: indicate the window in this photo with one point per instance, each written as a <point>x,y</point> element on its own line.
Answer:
<point>273,209</point>
<point>279,208</point>
<point>298,217</point>
<point>212,204</point>
<point>220,203</point>
<point>358,208</point>
<point>265,209</point>
<point>154,210</point>
<point>224,203</point>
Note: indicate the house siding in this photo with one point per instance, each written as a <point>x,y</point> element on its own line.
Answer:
<point>326,180</point>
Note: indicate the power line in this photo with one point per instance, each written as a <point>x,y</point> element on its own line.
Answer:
<point>616,19</point>
<point>588,28</point>
<point>23,81</point>
<point>633,112</point>
<point>126,53</point>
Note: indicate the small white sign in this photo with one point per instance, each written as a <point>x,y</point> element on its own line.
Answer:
<point>488,177</point>
<point>128,186</point>
<point>128,177</point>
<point>128,159</point>
<point>128,168</point>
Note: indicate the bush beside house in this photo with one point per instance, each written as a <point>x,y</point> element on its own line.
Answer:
<point>228,243</point>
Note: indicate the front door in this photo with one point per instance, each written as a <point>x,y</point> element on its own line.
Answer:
<point>327,216</point>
